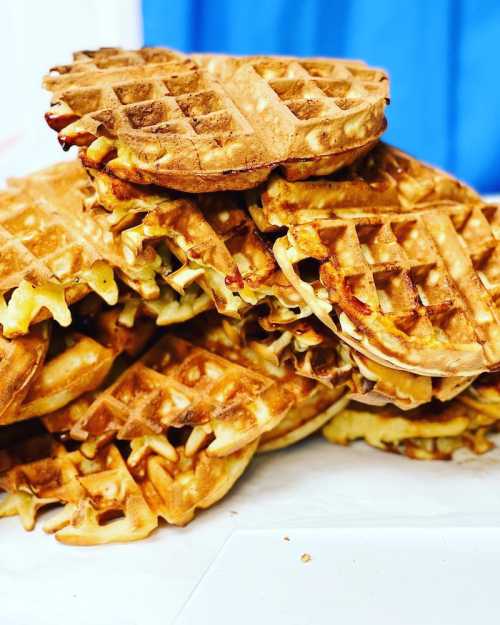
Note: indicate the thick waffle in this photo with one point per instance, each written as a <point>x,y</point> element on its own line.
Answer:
<point>79,364</point>
<point>212,237</point>
<point>385,181</point>
<point>49,258</point>
<point>93,491</point>
<point>484,395</point>
<point>54,251</point>
<point>314,403</point>
<point>177,384</point>
<point>432,432</point>
<point>416,291</point>
<point>21,360</point>
<point>157,116</point>
<point>378,385</point>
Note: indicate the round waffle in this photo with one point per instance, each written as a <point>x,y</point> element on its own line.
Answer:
<point>214,123</point>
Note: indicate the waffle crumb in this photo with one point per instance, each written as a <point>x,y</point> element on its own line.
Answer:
<point>305,557</point>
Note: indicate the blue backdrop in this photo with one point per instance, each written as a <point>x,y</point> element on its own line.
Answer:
<point>443,57</point>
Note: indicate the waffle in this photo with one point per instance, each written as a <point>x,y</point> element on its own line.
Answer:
<point>176,481</point>
<point>92,492</point>
<point>173,470</point>
<point>416,291</point>
<point>314,403</point>
<point>484,395</point>
<point>79,364</point>
<point>155,116</point>
<point>432,432</point>
<point>48,261</point>
<point>385,181</point>
<point>168,309</point>
<point>177,384</point>
<point>214,240</point>
<point>20,362</point>
<point>318,354</point>
<point>61,420</point>
<point>55,251</point>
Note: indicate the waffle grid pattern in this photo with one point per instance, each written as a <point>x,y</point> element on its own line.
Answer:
<point>316,93</point>
<point>38,245</point>
<point>89,490</point>
<point>177,384</point>
<point>431,274</point>
<point>172,115</point>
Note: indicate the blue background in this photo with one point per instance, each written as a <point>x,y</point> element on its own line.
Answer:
<point>443,57</point>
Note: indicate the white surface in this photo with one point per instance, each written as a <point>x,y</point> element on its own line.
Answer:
<point>372,522</point>
<point>391,576</point>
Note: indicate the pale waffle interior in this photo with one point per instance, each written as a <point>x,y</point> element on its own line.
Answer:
<point>212,236</point>
<point>423,286</point>
<point>178,125</point>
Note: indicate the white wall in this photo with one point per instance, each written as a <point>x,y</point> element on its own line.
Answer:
<point>34,35</point>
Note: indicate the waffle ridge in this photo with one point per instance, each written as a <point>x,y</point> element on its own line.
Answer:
<point>177,384</point>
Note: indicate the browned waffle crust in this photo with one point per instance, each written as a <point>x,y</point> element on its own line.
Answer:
<point>158,116</point>
<point>415,290</point>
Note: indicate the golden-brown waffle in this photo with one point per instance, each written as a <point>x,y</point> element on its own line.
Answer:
<point>416,291</point>
<point>175,480</point>
<point>385,181</point>
<point>431,432</point>
<point>20,362</point>
<point>178,480</point>
<point>314,403</point>
<point>158,116</point>
<point>177,384</point>
<point>50,257</point>
<point>78,364</point>
<point>93,491</point>
<point>81,366</point>
<point>318,354</point>
<point>55,250</point>
<point>213,238</point>
<point>484,395</point>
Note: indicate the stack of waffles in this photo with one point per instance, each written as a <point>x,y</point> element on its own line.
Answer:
<point>234,262</point>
